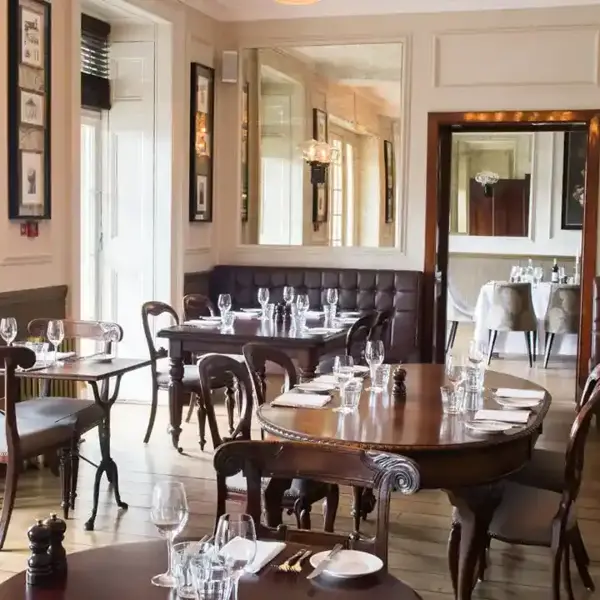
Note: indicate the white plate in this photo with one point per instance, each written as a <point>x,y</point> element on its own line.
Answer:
<point>516,402</point>
<point>488,426</point>
<point>315,388</point>
<point>347,564</point>
<point>349,315</point>
<point>252,311</point>
<point>360,369</point>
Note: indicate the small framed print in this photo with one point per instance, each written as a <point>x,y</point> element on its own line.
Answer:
<point>390,180</point>
<point>201,140</point>
<point>29,80</point>
<point>320,191</point>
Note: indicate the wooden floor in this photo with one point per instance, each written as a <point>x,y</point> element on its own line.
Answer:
<point>418,526</point>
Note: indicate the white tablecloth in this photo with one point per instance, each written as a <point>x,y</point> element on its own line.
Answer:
<point>514,342</point>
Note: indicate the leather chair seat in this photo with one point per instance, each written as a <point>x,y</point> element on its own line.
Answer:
<point>545,470</point>
<point>36,436</point>
<point>238,485</point>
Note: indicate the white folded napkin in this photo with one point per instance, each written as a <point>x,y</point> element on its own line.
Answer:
<point>265,552</point>
<point>513,393</point>
<point>322,330</point>
<point>506,416</point>
<point>296,400</point>
<point>327,379</point>
<point>202,323</point>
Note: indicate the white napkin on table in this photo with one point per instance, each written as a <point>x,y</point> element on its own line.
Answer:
<point>265,552</point>
<point>526,394</point>
<point>202,323</point>
<point>322,330</point>
<point>506,416</point>
<point>242,314</point>
<point>296,400</point>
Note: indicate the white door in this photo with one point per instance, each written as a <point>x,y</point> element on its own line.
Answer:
<point>127,246</point>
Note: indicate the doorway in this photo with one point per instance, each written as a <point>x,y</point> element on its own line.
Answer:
<point>439,176</point>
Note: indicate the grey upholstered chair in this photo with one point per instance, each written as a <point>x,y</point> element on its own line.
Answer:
<point>512,310</point>
<point>456,312</point>
<point>562,315</point>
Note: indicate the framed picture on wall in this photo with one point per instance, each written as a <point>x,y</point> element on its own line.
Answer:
<point>245,168</point>
<point>201,136</point>
<point>573,198</point>
<point>390,180</point>
<point>29,110</point>
<point>320,191</point>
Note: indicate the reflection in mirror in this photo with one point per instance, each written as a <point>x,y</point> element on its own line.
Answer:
<point>347,98</point>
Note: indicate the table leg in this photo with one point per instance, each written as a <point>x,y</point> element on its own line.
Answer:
<point>176,400</point>
<point>107,464</point>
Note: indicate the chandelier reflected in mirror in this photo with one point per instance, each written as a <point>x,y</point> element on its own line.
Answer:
<point>319,155</point>
<point>487,179</point>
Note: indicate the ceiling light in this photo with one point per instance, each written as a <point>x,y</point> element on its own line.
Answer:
<point>297,2</point>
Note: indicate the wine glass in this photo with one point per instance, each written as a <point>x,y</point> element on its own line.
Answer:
<point>332,296</point>
<point>263,300</point>
<point>288,294</point>
<point>538,275</point>
<point>55,333</point>
<point>224,303</point>
<point>8,329</point>
<point>302,304</point>
<point>374,353</point>
<point>235,542</point>
<point>343,369</point>
<point>169,513</point>
<point>454,370</point>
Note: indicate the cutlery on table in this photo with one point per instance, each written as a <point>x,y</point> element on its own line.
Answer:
<point>297,568</point>
<point>286,566</point>
<point>325,562</point>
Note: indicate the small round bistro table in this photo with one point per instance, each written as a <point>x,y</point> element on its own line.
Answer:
<point>124,571</point>
<point>449,456</point>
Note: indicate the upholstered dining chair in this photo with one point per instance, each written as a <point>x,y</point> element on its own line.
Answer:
<point>531,516</point>
<point>562,315</point>
<point>512,310</point>
<point>456,312</point>
<point>38,426</point>
<point>302,493</point>
<point>281,461</point>
<point>161,378</point>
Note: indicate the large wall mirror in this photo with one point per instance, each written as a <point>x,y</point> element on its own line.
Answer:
<point>348,97</point>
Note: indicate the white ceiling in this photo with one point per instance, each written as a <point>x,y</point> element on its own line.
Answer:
<point>256,10</point>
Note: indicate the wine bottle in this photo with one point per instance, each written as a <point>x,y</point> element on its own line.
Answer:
<point>555,272</point>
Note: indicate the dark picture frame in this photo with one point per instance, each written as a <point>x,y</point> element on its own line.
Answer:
<point>29,114</point>
<point>390,180</point>
<point>202,91</point>
<point>245,166</point>
<point>320,192</point>
<point>573,189</point>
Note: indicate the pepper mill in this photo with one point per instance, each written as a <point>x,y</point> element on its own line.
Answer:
<point>57,528</point>
<point>399,389</point>
<point>39,563</point>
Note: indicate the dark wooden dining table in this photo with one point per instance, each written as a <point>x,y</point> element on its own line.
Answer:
<point>124,572</point>
<point>98,375</point>
<point>298,343</point>
<point>469,467</point>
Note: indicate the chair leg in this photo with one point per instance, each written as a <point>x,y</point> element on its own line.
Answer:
<point>65,478</point>
<point>534,341</point>
<point>201,412</point>
<point>152,414</point>
<point>549,342</point>
<point>483,560</point>
<point>356,508</point>
<point>528,344</point>
<point>451,336</point>
<point>8,503</point>
<point>582,560</point>
<point>454,554</point>
<point>567,571</point>
<point>74,456</point>
<point>556,568</point>
<point>331,505</point>
<point>492,343</point>
<point>191,407</point>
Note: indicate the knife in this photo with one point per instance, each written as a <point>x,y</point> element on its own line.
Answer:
<point>325,562</point>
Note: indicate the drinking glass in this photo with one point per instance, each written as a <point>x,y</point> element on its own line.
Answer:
<point>8,329</point>
<point>169,513</point>
<point>224,303</point>
<point>288,294</point>
<point>538,275</point>
<point>302,303</point>
<point>227,320</point>
<point>55,333</point>
<point>263,300</point>
<point>350,396</point>
<point>270,311</point>
<point>475,367</point>
<point>235,542</point>
<point>452,399</point>
<point>380,377</point>
<point>110,336</point>
<point>454,370</point>
<point>184,555</point>
<point>343,369</point>
<point>332,296</point>
<point>374,353</point>
<point>212,578</point>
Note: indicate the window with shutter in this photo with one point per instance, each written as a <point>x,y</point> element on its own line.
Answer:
<point>95,76</point>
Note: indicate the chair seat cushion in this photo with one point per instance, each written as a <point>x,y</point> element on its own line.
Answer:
<point>36,436</point>
<point>545,470</point>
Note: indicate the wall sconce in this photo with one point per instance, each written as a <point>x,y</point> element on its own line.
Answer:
<point>487,179</point>
<point>319,155</point>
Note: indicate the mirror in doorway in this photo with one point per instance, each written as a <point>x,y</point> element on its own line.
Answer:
<point>354,94</point>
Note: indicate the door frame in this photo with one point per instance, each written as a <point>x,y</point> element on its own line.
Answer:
<point>437,206</point>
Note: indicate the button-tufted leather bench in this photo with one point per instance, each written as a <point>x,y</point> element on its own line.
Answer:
<point>359,289</point>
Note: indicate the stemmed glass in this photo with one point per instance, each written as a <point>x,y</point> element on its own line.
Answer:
<point>302,304</point>
<point>8,329</point>
<point>538,275</point>
<point>288,294</point>
<point>343,370</point>
<point>454,370</point>
<point>224,303</point>
<point>169,513</point>
<point>263,299</point>
<point>55,333</point>
<point>332,297</point>
<point>235,542</point>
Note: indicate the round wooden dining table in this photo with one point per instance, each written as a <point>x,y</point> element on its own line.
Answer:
<point>469,467</point>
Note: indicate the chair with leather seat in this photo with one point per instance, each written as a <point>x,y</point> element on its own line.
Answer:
<point>161,377</point>
<point>38,426</point>
<point>562,315</point>
<point>537,517</point>
<point>303,493</point>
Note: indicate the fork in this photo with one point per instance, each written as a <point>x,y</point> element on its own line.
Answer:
<point>297,568</point>
<point>286,567</point>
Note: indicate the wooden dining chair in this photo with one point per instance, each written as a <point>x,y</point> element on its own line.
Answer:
<point>531,516</point>
<point>302,494</point>
<point>334,465</point>
<point>39,426</point>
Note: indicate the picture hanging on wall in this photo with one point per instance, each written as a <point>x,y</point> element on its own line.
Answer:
<point>573,198</point>
<point>29,110</point>
<point>390,180</point>
<point>320,192</point>
<point>201,136</point>
<point>245,167</point>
